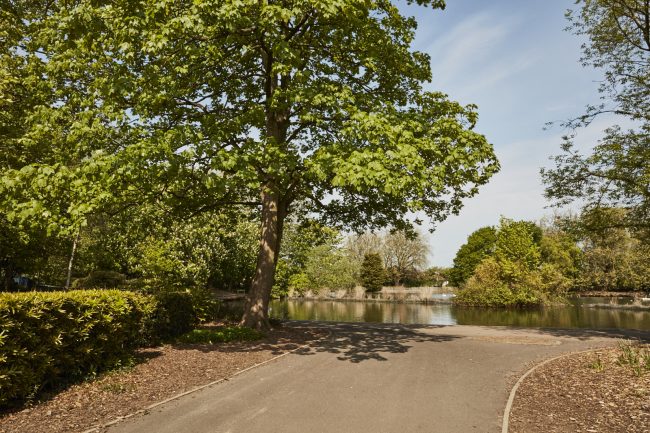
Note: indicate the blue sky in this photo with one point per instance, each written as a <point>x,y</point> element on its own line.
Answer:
<point>514,60</point>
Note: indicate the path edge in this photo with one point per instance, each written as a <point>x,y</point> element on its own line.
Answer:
<point>117,420</point>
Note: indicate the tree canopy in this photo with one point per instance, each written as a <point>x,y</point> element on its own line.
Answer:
<point>479,245</point>
<point>209,103</point>
<point>617,171</point>
<point>514,273</point>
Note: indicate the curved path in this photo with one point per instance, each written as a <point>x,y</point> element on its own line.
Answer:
<point>375,378</point>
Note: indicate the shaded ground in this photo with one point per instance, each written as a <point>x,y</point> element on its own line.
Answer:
<point>583,393</point>
<point>373,378</point>
<point>358,378</point>
<point>161,373</point>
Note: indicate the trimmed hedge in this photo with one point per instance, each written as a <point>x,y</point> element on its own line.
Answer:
<point>51,338</point>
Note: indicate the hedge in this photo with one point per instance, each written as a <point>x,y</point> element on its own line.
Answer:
<point>51,338</point>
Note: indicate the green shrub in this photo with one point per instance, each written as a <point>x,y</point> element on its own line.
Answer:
<point>206,307</point>
<point>100,280</point>
<point>50,338</point>
<point>175,316</point>
<point>487,287</point>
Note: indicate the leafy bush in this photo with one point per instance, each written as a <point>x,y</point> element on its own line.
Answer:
<point>176,314</point>
<point>184,309</point>
<point>224,335</point>
<point>206,307</point>
<point>49,338</point>
<point>100,280</point>
<point>489,286</point>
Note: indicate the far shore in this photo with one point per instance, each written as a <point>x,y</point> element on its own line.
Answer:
<point>377,300</point>
<point>608,294</point>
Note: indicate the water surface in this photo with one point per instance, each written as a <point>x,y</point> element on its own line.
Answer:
<point>577,315</point>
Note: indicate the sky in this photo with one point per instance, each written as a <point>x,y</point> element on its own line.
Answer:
<point>514,60</point>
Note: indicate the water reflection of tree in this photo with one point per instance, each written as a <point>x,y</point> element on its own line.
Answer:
<point>554,317</point>
<point>379,312</point>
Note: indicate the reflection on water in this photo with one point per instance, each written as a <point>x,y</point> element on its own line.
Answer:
<point>572,316</point>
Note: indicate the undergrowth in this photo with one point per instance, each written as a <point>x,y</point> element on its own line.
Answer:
<point>635,356</point>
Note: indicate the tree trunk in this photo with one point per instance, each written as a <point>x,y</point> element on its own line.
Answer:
<point>257,303</point>
<point>71,261</point>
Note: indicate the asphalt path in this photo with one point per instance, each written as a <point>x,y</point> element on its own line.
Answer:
<point>375,378</point>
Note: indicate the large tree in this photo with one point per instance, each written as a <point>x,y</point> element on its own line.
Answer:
<point>266,103</point>
<point>617,171</point>
<point>479,245</point>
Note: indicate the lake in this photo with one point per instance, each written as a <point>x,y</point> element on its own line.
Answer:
<point>577,315</point>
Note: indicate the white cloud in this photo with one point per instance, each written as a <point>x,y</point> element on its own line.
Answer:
<point>470,57</point>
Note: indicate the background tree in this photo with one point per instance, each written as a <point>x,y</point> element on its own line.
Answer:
<point>329,267</point>
<point>403,254</point>
<point>373,273</point>
<point>616,172</point>
<point>300,238</point>
<point>359,245</point>
<point>479,245</point>
<point>213,104</point>
<point>614,257</point>
<point>21,252</point>
<point>516,250</point>
<point>561,250</point>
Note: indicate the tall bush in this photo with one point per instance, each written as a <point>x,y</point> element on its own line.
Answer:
<point>50,338</point>
<point>514,274</point>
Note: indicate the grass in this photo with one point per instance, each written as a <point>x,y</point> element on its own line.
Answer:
<point>597,364</point>
<point>635,356</point>
<point>222,335</point>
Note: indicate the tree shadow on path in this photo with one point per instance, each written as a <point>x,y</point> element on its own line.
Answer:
<point>353,342</point>
<point>358,342</point>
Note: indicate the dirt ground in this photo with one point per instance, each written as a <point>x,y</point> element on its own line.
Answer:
<point>588,392</point>
<point>161,372</point>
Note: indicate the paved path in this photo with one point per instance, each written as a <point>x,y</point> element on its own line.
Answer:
<point>374,378</point>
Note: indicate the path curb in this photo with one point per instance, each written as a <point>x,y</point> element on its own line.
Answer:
<point>506,412</point>
<point>193,390</point>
